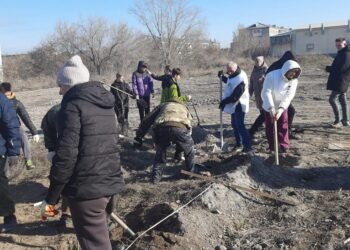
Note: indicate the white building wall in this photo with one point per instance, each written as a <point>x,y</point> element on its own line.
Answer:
<point>319,42</point>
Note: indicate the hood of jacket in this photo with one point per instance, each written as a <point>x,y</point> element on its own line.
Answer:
<point>288,65</point>
<point>92,92</point>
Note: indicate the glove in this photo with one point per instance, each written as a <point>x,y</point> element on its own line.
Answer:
<point>47,210</point>
<point>12,160</point>
<point>279,113</point>
<point>137,97</point>
<point>223,104</point>
<point>50,155</point>
<point>220,73</point>
<point>36,138</point>
<point>189,97</point>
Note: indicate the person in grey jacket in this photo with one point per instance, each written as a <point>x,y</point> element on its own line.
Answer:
<point>257,78</point>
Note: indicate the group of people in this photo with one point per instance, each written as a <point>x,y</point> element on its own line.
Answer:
<point>274,88</point>
<point>81,133</point>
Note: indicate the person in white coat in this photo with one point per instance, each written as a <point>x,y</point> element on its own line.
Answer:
<point>235,102</point>
<point>277,93</point>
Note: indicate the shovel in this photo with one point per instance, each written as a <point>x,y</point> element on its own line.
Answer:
<point>275,135</point>
<point>223,146</point>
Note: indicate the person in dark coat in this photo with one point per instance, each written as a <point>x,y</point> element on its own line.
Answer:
<point>121,107</point>
<point>338,82</point>
<point>10,145</point>
<point>23,115</point>
<point>86,167</point>
<point>255,86</point>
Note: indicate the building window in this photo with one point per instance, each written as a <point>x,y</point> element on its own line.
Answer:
<point>310,46</point>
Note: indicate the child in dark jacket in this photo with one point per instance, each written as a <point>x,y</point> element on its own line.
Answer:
<point>121,106</point>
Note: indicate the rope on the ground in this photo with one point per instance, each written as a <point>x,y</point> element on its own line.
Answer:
<point>176,211</point>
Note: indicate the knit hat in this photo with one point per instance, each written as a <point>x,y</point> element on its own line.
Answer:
<point>73,72</point>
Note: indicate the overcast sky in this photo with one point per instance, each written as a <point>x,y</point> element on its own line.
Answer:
<point>25,23</point>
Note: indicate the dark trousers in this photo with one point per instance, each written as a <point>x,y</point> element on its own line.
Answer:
<point>7,205</point>
<point>144,109</point>
<point>240,132</point>
<point>259,121</point>
<point>164,135</point>
<point>341,96</point>
<point>122,114</point>
<point>282,128</point>
<point>90,223</point>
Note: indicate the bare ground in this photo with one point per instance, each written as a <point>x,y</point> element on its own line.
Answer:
<point>311,175</point>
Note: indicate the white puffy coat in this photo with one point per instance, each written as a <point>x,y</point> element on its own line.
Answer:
<point>278,91</point>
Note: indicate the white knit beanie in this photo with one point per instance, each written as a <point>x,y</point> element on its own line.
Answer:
<point>73,72</point>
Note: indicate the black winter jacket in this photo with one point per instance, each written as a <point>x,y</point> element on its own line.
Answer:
<point>87,162</point>
<point>121,99</point>
<point>339,72</point>
<point>49,125</point>
<point>23,114</point>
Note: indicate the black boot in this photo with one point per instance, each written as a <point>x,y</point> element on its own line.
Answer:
<point>10,223</point>
<point>157,173</point>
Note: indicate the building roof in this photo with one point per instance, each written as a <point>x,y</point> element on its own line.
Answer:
<point>283,34</point>
<point>261,25</point>
<point>325,25</point>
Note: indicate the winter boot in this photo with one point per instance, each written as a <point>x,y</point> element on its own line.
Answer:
<point>10,223</point>
<point>157,173</point>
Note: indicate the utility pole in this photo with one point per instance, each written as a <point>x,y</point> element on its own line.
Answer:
<point>1,70</point>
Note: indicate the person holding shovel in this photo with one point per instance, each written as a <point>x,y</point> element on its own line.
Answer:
<point>278,91</point>
<point>236,103</point>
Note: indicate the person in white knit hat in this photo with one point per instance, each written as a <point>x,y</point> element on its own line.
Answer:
<point>86,166</point>
<point>73,72</point>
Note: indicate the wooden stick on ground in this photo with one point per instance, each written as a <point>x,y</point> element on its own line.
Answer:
<point>123,225</point>
<point>234,186</point>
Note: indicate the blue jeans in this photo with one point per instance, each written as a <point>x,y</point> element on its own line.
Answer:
<point>240,132</point>
<point>342,100</point>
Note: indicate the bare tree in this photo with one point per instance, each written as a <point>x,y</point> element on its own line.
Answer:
<point>95,39</point>
<point>245,44</point>
<point>169,23</point>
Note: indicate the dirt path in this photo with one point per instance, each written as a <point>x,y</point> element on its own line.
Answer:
<point>311,175</point>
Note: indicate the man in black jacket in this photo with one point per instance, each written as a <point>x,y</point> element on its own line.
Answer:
<point>121,107</point>
<point>10,144</point>
<point>338,82</point>
<point>23,115</point>
<point>86,167</point>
